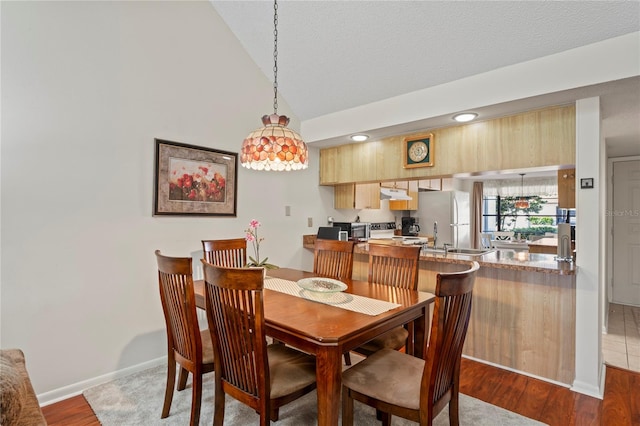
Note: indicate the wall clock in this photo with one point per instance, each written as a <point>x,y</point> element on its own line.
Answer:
<point>418,151</point>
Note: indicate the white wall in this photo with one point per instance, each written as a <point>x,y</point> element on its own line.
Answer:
<point>590,240</point>
<point>86,87</point>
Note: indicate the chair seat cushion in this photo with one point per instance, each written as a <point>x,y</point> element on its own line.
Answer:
<point>19,405</point>
<point>393,339</point>
<point>290,370</point>
<point>207,347</point>
<point>389,376</point>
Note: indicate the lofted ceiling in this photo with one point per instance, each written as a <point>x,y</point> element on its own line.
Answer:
<point>336,55</point>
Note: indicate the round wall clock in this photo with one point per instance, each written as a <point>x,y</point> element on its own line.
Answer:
<point>418,151</point>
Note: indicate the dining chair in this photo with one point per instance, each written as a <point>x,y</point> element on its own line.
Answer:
<point>395,266</point>
<point>485,240</point>
<point>402,385</point>
<point>231,253</point>
<point>503,235</point>
<point>187,345</point>
<point>264,377</point>
<point>333,258</point>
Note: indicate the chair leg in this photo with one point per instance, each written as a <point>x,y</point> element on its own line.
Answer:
<point>275,412</point>
<point>453,409</point>
<point>347,407</point>
<point>168,392</point>
<point>182,378</point>
<point>218,414</point>
<point>196,398</point>
<point>347,358</point>
<point>386,418</point>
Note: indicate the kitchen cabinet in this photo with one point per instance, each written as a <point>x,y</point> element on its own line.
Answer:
<point>357,196</point>
<point>567,188</point>
<point>412,191</point>
<point>511,142</point>
<point>348,164</point>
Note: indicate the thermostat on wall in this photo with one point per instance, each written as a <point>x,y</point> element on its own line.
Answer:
<point>586,183</point>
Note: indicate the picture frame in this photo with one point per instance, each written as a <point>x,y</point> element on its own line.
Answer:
<point>193,180</point>
<point>418,151</point>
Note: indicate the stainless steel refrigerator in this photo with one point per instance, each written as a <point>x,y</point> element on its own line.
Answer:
<point>451,211</point>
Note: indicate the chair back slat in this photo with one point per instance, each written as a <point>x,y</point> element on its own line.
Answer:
<point>179,307</point>
<point>231,253</point>
<point>451,313</point>
<point>333,259</point>
<point>234,302</point>
<point>394,265</point>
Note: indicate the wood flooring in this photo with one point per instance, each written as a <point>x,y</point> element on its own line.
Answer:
<point>536,399</point>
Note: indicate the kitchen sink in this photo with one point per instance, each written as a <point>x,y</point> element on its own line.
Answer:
<point>465,251</point>
<point>469,251</point>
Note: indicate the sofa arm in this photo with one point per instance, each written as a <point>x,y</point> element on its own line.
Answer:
<point>18,402</point>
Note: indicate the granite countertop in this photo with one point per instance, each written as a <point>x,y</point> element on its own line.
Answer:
<point>497,258</point>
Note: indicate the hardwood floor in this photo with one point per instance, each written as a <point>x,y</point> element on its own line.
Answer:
<point>536,399</point>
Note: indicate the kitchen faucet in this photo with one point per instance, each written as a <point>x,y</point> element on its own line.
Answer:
<point>435,234</point>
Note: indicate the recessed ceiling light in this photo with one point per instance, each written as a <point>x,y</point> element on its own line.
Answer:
<point>465,116</point>
<point>359,138</point>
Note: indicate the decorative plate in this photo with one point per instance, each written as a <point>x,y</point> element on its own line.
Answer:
<point>322,285</point>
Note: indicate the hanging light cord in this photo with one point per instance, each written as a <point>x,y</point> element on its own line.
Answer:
<point>275,56</point>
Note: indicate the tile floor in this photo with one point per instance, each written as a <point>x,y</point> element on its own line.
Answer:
<point>621,344</point>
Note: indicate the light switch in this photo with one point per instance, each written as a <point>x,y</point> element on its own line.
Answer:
<point>310,222</point>
<point>287,210</point>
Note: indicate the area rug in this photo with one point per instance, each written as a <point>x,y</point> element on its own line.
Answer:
<point>137,400</point>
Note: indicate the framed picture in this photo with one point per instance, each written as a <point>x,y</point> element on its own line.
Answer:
<point>418,151</point>
<point>194,181</point>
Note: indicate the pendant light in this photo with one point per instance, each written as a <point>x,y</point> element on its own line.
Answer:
<point>522,203</point>
<point>274,146</point>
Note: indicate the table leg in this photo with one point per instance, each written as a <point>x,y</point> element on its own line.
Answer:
<point>420,327</point>
<point>329,380</point>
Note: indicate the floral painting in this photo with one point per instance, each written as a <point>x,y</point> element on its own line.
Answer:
<point>196,181</point>
<point>193,180</point>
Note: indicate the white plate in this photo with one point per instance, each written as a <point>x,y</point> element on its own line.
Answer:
<point>322,285</point>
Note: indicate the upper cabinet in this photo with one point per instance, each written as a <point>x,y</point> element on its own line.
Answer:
<point>360,196</point>
<point>567,189</point>
<point>532,139</point>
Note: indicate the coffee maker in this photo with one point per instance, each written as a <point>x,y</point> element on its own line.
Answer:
<point>410,226</point>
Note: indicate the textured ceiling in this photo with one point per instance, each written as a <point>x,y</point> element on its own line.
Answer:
<point>335,55</point>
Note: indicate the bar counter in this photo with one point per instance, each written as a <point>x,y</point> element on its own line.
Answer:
<point>523,315</point>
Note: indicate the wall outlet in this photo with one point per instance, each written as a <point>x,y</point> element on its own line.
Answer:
<point>310,222</point>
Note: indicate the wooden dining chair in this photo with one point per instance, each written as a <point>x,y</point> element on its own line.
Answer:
<point>333,258</point>
<point>187,345</point>
<point>396,266</point>
<point>231,253</point>
<point>401,385</point>
<point>264,377</point>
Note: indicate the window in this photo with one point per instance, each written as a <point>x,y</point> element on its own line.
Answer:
<point>542,216</point>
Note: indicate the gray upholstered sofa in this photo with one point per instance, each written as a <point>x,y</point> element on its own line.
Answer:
<point>18,403</point>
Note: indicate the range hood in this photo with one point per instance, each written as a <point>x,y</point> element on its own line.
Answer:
<point>393,194</point>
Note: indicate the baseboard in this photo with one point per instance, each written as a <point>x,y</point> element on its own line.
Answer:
<point>513,370</point>
<point>74,389</point>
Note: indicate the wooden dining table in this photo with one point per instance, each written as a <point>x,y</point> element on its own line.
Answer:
<point>328,331</point>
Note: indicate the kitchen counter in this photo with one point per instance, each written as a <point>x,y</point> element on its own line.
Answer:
<point>497,258</point>
<point>523,315</point>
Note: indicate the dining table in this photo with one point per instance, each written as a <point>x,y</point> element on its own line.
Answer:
<point>328,330</point>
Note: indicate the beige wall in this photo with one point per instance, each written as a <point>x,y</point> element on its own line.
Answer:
<point>86,87</point>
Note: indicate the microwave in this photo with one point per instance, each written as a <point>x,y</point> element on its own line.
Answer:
<point>356,231</point>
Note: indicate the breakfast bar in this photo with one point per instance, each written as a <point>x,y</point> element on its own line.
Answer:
<point>523,315</point>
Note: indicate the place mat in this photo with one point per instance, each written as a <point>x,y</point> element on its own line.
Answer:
<point>350,302</point>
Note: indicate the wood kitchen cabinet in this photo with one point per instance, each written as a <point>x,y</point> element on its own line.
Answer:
<point>511,142</point>
<point>360,196</point>
<point>567,188</point>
